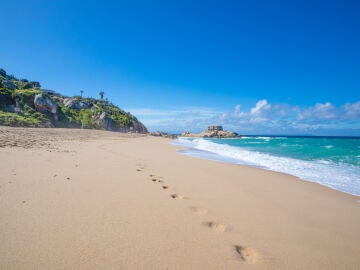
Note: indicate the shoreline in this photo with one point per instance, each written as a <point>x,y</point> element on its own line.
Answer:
<point>270,170</point>
<point>94,199</point>
<point>213,151</point>
<point>294,177</point>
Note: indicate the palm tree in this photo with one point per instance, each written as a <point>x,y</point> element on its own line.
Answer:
<point>101,93</point>
<point>81,92</point>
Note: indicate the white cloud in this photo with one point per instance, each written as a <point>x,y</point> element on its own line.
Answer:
<point>261,106</point>
<point>352,111</point>
<point>262,118</point>
<point>176,120</point>
<point>319,111</point>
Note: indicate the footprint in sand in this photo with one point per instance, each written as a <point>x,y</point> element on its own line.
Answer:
<point>247,254</point>
<point>165,187</point>
<point>199,210</point>
<point>140,167</point>
<point>217,226</point>
<point>157,180</point>
<point>178,197</point>
<point>154,178</point>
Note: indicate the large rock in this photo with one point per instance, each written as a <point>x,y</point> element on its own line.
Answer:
<point>138,127</point>
<point>77,104</point>
<point>158,133</point>
<point>212,134</point>
<point>101,119</point>
<point>105,122</point>
<point>219,134</point>
<point>44,104</point>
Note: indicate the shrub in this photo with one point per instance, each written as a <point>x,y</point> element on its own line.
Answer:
<point>2,72</point>
<point>14,119</point>
<point>36,84</point>
<point>86,118</point>
<point>26,96</point>
<point>6,96</point>
<point>31,113</point>
<point>27,86</point>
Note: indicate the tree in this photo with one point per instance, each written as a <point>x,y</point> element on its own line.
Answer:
<point>2,72</point>
<point>101,93</point>
<point>28,86</point>
<point>81,92</point>
<point>36,84</point>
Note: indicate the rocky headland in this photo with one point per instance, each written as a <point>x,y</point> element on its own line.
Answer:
<point>24,103</point>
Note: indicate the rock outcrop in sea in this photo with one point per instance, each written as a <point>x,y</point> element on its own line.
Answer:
<point>212,132</point>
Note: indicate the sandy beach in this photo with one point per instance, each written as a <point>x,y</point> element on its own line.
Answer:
<point>88,199</point>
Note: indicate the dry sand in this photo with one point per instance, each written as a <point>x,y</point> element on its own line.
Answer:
<point>81,199</point>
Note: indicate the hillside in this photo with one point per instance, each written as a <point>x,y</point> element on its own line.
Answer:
<point>25,103</point>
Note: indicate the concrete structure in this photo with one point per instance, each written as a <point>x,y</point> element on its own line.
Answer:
<point>215,128</point>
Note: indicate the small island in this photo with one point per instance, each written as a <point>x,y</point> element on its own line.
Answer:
<point>212,132</point>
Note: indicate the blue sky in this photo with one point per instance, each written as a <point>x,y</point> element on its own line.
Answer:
<point>256,67</point>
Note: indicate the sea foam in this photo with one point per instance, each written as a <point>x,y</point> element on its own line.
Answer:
<point>339,176</point>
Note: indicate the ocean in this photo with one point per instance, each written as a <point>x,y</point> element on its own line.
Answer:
<point>329,161</point>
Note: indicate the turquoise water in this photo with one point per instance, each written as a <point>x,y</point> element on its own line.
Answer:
<point>330,161</point>
<point>338,150</point>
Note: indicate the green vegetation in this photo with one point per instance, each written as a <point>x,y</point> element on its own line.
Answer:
<point>31,113</point>
<point>17,120</point>
<point>6,97</point>
<point>119,117</point>
<point>68,117</point>
<point>26,96</point>
<point>87,121</point>
<point>2,72</point>
<point>18,108</point>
